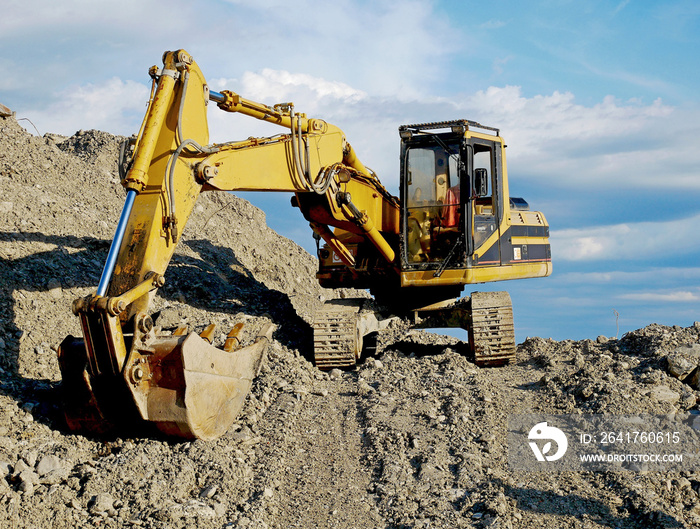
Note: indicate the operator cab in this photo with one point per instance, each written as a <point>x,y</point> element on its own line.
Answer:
<point>451,185</point>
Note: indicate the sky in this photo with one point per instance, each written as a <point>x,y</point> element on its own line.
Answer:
<point>597,100</point>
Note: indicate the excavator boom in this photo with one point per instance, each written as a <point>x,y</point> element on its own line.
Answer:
<point>125,371</point>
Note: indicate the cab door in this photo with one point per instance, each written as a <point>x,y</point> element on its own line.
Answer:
<point>486,200</point>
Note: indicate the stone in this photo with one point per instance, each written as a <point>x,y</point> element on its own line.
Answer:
<point>363,388</point>
<point>693,380</point>
<point>27,487</point>
<point>31,456</point>
<point>27,479</point>
<point>48,463</point>
<point>101,503</point>
<point>20,467</point>
<point>664,394</point>
<point>680,364</point>
<point>194,508</point>
<point>209,491</point>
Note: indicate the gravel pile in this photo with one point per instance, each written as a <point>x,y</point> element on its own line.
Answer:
<point>414,437</point>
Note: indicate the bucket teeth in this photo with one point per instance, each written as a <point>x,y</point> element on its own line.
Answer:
<point>208,333</point>
<point>180,331</point>
<point>232,340</point>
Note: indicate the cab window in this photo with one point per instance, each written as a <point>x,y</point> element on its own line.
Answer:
<point>433,201</point>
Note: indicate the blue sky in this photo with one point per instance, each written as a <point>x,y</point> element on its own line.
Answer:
<point>598,102</point>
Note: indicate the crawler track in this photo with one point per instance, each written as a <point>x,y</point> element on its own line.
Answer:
<point>492,335</point>
<point>337,340</point>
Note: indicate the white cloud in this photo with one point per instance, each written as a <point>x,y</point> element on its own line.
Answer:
<point>681,296</point>
<point>113,105</point>
<point>307,92</point>
<point>314,96</point>
<point>634,241</point>
<point>388,48</point>
<point>608,146</point>
<point>659,276</point>
<point>366,68</point>
<point>20,17</point>
<point>612,144</point>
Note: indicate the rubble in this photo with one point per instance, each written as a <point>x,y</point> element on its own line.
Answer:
<point>414,437</point>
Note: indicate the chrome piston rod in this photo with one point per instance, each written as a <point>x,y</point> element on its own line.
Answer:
<point>111,262</point>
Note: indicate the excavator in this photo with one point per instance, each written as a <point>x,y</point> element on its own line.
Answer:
<point>454,223</point>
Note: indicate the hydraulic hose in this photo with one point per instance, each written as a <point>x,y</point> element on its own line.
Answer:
<point>181,146</point>
<point>301,160</point>
<point>171,179</point>
<point>296,153</point>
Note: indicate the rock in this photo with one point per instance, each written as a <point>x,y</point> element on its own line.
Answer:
<point>193,508</point>
<point>416,429</point>
<point>48,463</point>
<point>208,491</point>
<point>27,479</point>
<point>664,394</point>
<point>335,373</point>
<point>101,503</point>
<point>498,504</point>
<point>693,380</point>
<point>31,456</point>
<point>26,486</point>
<point>683,361</point>
<point>363,388</point>
<point>20,467</point>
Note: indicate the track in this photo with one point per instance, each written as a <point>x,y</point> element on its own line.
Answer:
<point>337,339</point>
<point>492,336</point>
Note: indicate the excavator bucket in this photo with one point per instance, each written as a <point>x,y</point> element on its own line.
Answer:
<point>184,386</point>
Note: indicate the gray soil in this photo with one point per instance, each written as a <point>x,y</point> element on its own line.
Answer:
<point>414,437</point>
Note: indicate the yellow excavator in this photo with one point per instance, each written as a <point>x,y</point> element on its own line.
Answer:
<point>453,224</point>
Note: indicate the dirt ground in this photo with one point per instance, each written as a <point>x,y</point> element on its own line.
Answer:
<point>412,438</point>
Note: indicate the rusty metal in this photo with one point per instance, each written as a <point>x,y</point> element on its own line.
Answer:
<point>196,390</point>
<point>180,383</point>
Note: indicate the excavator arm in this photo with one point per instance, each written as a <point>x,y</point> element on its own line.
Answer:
<point>124,371</point>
